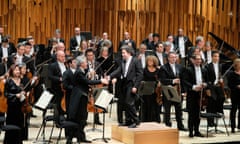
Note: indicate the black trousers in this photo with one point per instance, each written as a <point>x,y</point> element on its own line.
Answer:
<point>193,107</point>
<point>178,112</point>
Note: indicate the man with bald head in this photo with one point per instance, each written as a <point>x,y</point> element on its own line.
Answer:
<point>127,41</point>
<point>55,73</point>
<point>76,40</point>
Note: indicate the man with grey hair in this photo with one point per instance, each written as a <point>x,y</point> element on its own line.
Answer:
<point>208,52</point>
<point>148,42</point>
<point>57,36</point>
<point>79,99</point>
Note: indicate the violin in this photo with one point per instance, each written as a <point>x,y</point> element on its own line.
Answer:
<point>63,100</point>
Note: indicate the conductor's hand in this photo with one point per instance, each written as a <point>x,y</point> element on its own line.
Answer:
<point>104,81</point>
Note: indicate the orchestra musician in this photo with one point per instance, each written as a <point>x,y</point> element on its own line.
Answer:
<point>148,42</point>
<point>172,74</point>
<point>150,108</point>
<point>15,99</point>
<point>67,82</point>
<point>79,99</point>
<point>194,79</point>
<point>127,41</point>
<point>55,73</point>
<point>156,40</point>
<point>93,74</point>
<point>76,40</point>
<point>131,74</point>
<point>160,54</point>
<point>5,50</point>
<point>57,36</point>
<point>234,85</point>
<point>216,97</point>
<point>105,41</point>
<point>208,52</point>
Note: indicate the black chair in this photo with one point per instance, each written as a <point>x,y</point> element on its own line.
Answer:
<point>61,122</point>
<point>214,116</point>
<point>228,107</point>
<point>4,127</point>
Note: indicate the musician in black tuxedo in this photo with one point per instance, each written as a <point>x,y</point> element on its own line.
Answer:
<point>148,42</point>
<point>79,99</point>
<point>171,74</point>
<point>127,41</point>
<point>131,74</point>
<point>215,82</point>
<point>76,40</point>
<point>55,73</point>
<point>160,54</point>
<point>57,36</point>
<point>19,58</point>
<point>5,49</point>
<point>182,43</point>
<point>194,82</point>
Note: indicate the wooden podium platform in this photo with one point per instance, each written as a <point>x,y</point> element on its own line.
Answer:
<point>146,133</point>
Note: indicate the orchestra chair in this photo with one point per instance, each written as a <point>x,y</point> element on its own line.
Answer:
<point>60,122</point>
<point>6,127</point>
<point>214,116</point>
<point>228,107</point>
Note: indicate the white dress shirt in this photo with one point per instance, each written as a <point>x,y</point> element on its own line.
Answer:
<point>181,46</point>
<point>62,67</point>
<point>5,52</point>
<point>216,71</point>
<point>128,61</point>
<point>160,57</point>
<point>198,74</point>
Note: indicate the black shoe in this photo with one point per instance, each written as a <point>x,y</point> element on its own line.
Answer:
<point>190,135</point>
<point>198,134</point>
<point>134,125</point>
<point>86,141</point>
<point>169,124</point>
<point>182,129</point>
<point>33,116</point>
<point>123,124</point>
<point>98,123</point>
<point>233,130</point>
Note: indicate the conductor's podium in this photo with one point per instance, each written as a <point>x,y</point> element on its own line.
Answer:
<point>146,133</point>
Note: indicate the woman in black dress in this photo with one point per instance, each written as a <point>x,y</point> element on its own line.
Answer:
<point>15,97</point>
<point>234,85</point>
<point>150,108</point>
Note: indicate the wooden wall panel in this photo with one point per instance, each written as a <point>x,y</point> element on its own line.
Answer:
<point>41,18</point>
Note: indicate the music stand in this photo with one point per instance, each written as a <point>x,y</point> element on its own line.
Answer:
<point>96,91</point>
<point>42,105</point>
<point>103,100</point>
<point>171,93</point>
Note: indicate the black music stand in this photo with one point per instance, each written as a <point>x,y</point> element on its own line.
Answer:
<point>96,92</point>
<point>42,104</point>
<point>103,100</point>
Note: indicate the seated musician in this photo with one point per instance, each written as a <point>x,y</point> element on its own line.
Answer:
<point>171,74</point>
<point>215,84</point>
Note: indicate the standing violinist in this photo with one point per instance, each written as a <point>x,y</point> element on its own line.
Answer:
<point>234,85</point>
<point>215,98</point>
<point>55,73</point>
<point>194,80</point>
<point>15,99</point>
<point>171,74</point>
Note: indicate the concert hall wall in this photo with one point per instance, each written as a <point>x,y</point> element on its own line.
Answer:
<point>40,18</point>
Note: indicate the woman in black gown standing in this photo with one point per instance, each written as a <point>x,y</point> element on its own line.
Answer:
<point>15,98</point>
<point>150,108</point>
<point>234,85</point>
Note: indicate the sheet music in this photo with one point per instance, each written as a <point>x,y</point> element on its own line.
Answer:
<point>103,99</point>
<point>44,100</point>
